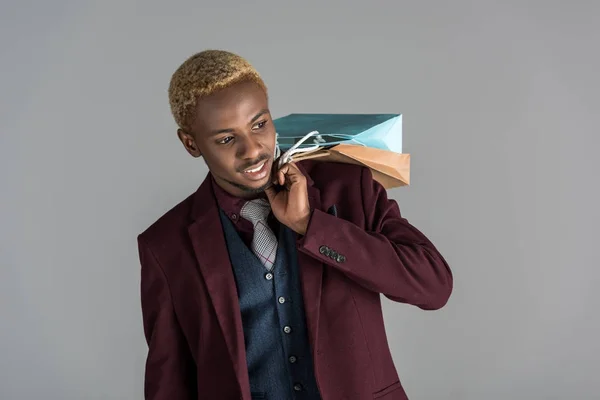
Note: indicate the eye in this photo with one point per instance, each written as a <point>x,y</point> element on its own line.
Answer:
<point>225,140</point>
<point>259,125</point>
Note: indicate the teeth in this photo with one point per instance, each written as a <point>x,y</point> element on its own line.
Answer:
<point>255,169</point>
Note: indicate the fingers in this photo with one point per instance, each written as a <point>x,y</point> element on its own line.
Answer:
<point>290,172</point>
<point>279,175</point>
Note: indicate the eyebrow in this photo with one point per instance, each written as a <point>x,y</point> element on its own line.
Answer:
<point>253,120</point>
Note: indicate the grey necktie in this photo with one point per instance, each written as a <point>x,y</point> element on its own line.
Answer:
<point>264,242</point>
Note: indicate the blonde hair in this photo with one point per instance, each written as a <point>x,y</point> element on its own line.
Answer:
<point>203,74</point>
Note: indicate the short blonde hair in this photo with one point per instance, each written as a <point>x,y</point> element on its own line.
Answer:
<point>203,74</point>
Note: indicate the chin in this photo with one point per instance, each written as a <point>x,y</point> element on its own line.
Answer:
<point>251,187</point>
<point>251,190</point>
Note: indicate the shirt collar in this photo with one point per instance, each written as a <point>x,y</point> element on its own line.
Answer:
<point>229,203</point>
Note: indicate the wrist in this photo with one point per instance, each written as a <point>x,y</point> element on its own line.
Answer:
<point>302,225</point>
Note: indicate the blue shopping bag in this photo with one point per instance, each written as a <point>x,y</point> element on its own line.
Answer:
<point>380,131</point>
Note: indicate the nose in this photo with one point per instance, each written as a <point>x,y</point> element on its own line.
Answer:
<point>249,149</point>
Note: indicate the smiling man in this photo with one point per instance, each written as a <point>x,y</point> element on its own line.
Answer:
<point>265,283</point>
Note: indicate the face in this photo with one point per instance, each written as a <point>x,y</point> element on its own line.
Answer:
<point>235,134</point>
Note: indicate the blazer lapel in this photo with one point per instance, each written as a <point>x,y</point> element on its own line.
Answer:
<point>215,266</point>
<point>208,241</point>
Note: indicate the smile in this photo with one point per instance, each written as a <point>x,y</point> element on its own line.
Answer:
<point>256,169</point>
<point>257,173</point>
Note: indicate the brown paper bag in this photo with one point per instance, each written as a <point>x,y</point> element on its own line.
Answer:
<point>388,168</point>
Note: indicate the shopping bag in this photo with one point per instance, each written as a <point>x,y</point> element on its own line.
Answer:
<point>388,168</point>
<point>381,131</point>
<point>371,140</point>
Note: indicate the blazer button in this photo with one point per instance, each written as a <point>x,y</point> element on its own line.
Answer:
<point>340,258</point>
<point>323,249</point>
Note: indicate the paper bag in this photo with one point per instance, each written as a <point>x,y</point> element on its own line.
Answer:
<point>390,169</point>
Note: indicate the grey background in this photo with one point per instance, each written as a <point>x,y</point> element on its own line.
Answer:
<point>500,102</point>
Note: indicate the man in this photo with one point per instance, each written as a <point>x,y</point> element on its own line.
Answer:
<point>265,283</point>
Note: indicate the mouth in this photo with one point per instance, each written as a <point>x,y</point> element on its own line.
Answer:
<point>257,172</point>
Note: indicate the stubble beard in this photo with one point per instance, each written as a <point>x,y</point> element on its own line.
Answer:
<point>250,190</point>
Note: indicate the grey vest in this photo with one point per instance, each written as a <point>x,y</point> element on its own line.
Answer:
<point>278,354</point>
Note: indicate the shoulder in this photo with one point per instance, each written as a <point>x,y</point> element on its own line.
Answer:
<point>328,175</point>
<point>169,226</point>
<point>325,173</point>
<point>341,183</point>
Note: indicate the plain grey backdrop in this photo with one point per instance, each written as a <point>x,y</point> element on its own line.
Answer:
<point>500,103</point>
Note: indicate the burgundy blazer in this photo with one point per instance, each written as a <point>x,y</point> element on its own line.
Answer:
<point>190,308</point>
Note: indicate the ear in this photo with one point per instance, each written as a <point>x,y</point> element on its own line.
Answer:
<point>189,142</point>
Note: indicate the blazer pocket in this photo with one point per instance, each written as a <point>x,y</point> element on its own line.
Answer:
<point>380,394</point>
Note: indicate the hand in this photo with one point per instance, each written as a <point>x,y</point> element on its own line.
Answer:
<point>289,201</point>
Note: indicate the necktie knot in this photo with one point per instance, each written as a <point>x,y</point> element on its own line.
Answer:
<point>256,210</point>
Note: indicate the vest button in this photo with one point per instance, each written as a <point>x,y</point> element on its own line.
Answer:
<point>287,329</point>
<point>281,300</point>
<point>293,359</point>
<point>298,387</point>
<point>268,276</point>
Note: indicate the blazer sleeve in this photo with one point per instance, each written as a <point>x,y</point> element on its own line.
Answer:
<point>388,255</point>
<point>170,371</point>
